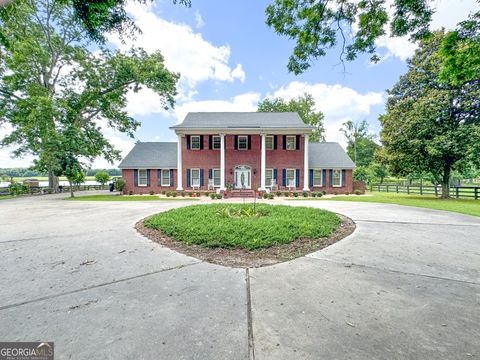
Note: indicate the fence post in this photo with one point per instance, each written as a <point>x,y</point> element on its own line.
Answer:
<point>476,192</point>
<point>436,190</point>
<point>456,192</point>
<point>387,187</point>
<point>408,189</point>
<point>397,189</point>
<point>421,189</point>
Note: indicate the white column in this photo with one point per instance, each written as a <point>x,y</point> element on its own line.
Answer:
<point>222,162</point>
<point>263,163</point>
<point>305,165</point>
<point>179,164</point>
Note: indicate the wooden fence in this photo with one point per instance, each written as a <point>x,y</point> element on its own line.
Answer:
<point>472,192</point>
<point>65,189</point>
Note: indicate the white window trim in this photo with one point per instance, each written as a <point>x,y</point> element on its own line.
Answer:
<point>219,177</point>
<point>246,142</point>
<point>294,176</point>
<point>294,142</point>
<point>163,178</point>
<point>138,177</point>
<point>321,178</point>
<point>273,142</point>
<point>273,177</point>
<point>191,176</point>
<point>219,142</point>
<point>191,142</point>
<point>340,178</point>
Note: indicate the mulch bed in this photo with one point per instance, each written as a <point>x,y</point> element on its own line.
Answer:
<point>250,258</point>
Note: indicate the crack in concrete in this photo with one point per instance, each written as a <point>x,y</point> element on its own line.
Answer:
<point>413,223</point>
<point>251,345</point>
<point>53,296</point>
<point>350,264</point>
<point>54,236</point>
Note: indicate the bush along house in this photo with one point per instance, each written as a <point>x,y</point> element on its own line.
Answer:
<point>237,153</point>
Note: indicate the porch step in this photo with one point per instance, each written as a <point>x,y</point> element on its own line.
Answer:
<point>241,193</point>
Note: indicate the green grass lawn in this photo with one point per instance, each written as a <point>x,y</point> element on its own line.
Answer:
<point>463,206</point>
<point>124,198</point>
<point>232,226</point>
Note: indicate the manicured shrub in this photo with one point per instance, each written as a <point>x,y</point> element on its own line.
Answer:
<point>319,194</point>
<point>18,189</point>
<point>347,193</point>
<point>357,192</point>
<point>206,193</point>
<point>265,195</point>
<point>219,196</point>
<point>120,185</point>
<point>152,192</point>
<point>197,194</point>
<point>182,193</point>
<point>335,193</point>
<point>130,192</point>
<point>168,193</point>
<point>324,192</point>
<point>305,194</point>
<point>164,192</point>
<point>213,196</point>
<point>191,194</point>
<point>286,193</point>
<point>279,193</point>
<point>295,194</point>
<point>314,194</point>
<point>270,196</point>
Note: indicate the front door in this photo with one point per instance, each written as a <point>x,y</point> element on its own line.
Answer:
<point>242,177</point>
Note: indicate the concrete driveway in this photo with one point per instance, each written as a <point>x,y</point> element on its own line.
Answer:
<point>404,285</point>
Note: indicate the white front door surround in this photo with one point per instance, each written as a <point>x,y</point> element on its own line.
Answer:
<point>242,177</point>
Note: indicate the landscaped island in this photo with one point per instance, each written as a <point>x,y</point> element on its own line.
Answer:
<point>246,235</point>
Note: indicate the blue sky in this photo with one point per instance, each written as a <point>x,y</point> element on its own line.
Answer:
<point>230,60</point>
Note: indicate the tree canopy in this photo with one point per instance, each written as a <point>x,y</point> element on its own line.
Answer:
<point>318,26</point>
<point>431,125</point>
<point>57,91</point>
<point>361,146</point>
<point>304,106</point>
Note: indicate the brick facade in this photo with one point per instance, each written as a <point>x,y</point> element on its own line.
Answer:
<point>129,177</point>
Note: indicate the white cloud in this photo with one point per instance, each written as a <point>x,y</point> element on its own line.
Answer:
<point>199,23</point>
<point>338,104</point>
<point>144,102</point>
<point>243,102</point>
<point>447,15</point>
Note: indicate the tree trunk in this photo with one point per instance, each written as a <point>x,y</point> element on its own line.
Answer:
<point>52,181</point>
<point>71,189</point>
<point>446,182</point>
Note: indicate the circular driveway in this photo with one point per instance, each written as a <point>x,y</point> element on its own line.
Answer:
<point>404,285</point>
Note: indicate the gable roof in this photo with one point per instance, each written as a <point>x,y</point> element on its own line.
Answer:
<point>242,120</point>
<point>328,155</point>
<point>151,155</point>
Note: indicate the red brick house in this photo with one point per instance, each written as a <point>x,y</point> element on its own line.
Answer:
<point>214,151</point>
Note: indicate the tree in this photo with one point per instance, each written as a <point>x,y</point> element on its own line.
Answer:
<point>57,90</point>
<point>318,26</point>
<point>304,106</point>
<point>361,146</point>
<point>431,125</point>
<point>102,177</point>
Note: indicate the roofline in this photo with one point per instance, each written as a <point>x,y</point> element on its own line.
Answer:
<point>243,130</point>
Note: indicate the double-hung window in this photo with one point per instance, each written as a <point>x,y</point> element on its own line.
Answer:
<point>195,175</point>
<point>242,143</point>
<point>337,178</point>
<point>317,177</point>
<point>195,142</point>
<point>269,142</point>
<point>291,177</point>
<point>142,177</point>
<point>216,142</point>
<point>165,177</point>
<point>291,142</point>
<point>216,177</point>
<point>268,177</point>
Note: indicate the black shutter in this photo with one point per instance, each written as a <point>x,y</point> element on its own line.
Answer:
<point>311,178</point>
<point>275,175</point>
<point>188,142</point>
<point>249,142</point>
<point>343,178</point>
<point>284,177</point>
<point>324,177</point>
<point>188,178</point>
<point>298,142</point>
<point>210,142</point>
<point>171,177</point>
<point>202,174</point>
<point>274,142</point>
<point>148,177</point>
<point>297,178</point>
<point>159,177</point>
<point>135,177</point>
<point>201,142</point>
<point>284,142</point>
<point>236,142</point>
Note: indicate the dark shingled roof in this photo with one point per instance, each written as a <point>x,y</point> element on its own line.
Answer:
<point>327,155</point>
<point>163,155</point>
<point>238,120</point>
<point>151,155</point>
